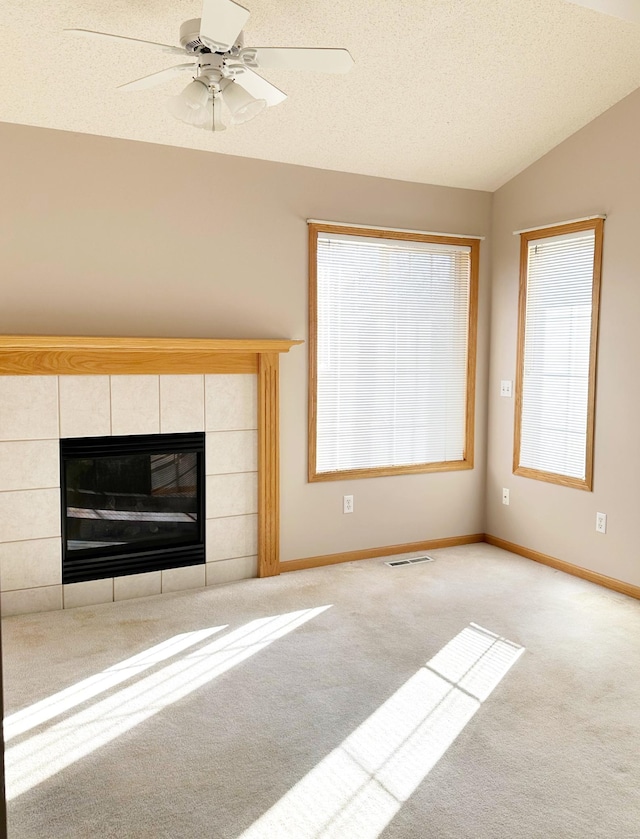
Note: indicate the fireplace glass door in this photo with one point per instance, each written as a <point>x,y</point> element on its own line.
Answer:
<point>131,504</point>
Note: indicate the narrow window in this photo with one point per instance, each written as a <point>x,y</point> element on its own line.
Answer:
<point>557,339</point>
<point>392,352</point>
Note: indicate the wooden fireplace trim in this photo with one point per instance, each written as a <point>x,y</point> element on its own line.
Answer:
<point>43,355</point>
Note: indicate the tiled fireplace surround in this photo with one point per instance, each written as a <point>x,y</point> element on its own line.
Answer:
<point>37,410</point>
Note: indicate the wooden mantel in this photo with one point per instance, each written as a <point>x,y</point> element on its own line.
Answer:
<point>42,355</point>
<point>24,355</point>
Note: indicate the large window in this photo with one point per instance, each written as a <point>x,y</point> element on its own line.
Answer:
<point>557,338</point>
<point>392,352</point>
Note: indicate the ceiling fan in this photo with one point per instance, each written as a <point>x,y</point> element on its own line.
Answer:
<point>223,69</point>
<point>625,9</point>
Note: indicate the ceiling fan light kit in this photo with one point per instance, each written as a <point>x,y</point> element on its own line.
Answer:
<point>223,70</point>
<point>242,105</point>
<point>191,106</point>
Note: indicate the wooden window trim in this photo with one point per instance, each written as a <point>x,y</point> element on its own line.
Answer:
<point>447,466</point>
<point>597,225</point>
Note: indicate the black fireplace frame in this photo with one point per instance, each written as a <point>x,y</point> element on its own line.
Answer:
<point>100,563</point>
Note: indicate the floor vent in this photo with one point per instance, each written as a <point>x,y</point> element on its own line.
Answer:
<point>395,562</point>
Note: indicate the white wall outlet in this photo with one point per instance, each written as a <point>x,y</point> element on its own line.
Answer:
<point>505,388</point>
<point>601,522</point>
<point>347,503</point>
<point>505,496</point>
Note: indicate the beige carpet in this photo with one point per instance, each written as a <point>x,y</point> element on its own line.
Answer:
<point>354,701</point>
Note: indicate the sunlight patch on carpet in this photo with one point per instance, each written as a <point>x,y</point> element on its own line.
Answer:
<point>358,788</point>
<point>63,701</point>
<point>47,752</point>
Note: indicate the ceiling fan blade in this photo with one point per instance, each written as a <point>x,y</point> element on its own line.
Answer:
<point>156,78</point>
<point>317,60</point>
<point>161,47</point>
<point>221,23</point>
<point>259,87</point>
<point>625,9</point>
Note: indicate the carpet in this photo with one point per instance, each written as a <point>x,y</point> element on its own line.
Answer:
<point>481,695</point>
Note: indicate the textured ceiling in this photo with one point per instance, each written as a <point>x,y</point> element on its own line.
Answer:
<point>457,92</point>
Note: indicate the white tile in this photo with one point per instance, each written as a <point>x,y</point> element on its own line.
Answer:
<point>137,585</point>
<point>30,600</point>
<point>30,564</point>
<point>230,570</point>
<point>231,401</point>
<point>231,451</point>
<point>29,464</point>
<point>32,514</point>
<point>231,537</point>
<point>180,579</point>
<point>135,405</point>
<point>181,404</point>
<point>90,593</point>
<point>85,406</point>
<point>232,495</point>
<point>28,407</point>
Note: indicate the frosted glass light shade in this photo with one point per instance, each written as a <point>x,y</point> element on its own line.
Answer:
<point>190,106</point>
<point>242,105</point>
<point>207,116</point>
<point>196,94</point>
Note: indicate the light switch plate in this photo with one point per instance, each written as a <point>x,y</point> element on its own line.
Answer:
<point>505,388</point>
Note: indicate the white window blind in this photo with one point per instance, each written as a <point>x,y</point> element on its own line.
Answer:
<point>557,346</point>
<point>392,352</point>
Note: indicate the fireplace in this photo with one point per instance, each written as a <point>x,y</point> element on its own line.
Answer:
<point>54,387</point>
<point>131,504</point>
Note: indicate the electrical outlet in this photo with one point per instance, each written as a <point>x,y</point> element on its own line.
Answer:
<point>601,522</point>
<point>505,496</point>
<point>505,388</point>
<point>347,503</point>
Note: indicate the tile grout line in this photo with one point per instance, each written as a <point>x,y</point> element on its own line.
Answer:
<point>224,474</point>
<point>204,409</point>
<point>59,407</point>
<point>37,489</point>
<point>232,516</point>
<point>36,539</point>
<point>110,406</point>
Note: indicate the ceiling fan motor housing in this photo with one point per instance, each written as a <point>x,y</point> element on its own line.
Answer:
<point>190,36</point>
<point>191,41</point>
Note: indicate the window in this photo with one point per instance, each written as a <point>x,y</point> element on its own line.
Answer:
<point>392,352</point>
<point>557,338</point>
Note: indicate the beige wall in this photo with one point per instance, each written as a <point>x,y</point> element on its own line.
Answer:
<point>597,170</point>
<point>108,237</point>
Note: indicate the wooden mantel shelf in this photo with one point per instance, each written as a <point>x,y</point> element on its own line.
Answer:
<point>23,355</point>
<point>44,355</point>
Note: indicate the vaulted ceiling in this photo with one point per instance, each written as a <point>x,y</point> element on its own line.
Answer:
<point>463,93</point>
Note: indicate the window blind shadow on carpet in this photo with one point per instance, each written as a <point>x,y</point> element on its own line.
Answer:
<point>361,785</point>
